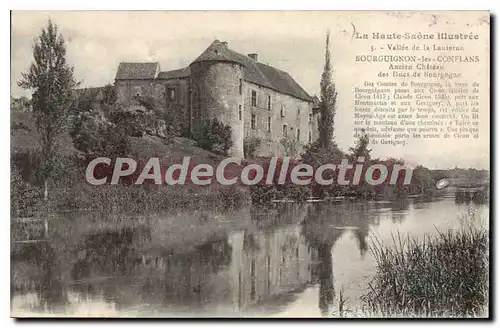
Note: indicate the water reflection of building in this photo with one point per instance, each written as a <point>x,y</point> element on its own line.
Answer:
<point>267,264</point>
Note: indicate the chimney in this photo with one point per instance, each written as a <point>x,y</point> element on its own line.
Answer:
<point>253,56</point>
<point>224,44</point>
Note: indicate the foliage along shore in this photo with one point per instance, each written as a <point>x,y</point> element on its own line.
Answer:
<point>434,277</point>
<point>70,191</point>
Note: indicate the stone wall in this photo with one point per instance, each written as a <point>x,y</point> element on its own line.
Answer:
<point>177,108</point>
<point>215,88</point>
<point>127,89</point>
<point>285,110</point>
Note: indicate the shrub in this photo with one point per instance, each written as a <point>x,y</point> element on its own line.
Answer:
<point>26,164</point>
<point>145,198</point>
<point>250,146</point>
<point>215,136</point>
<point>155,120</point>
<point>290,145</point>
<point>316,155</point>
<point>23,196</point>
<point>93,135</point>
<point>135,123</point>
<point>263,194</point>
<point>439,276</point>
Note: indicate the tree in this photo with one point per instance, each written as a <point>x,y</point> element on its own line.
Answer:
<point>250,146</point>
<point>291,146</point>
<point>93,135</point>
<point>215,136</point>
<point>51,81</point>
<point>108,95</point>
<point>328,99</point>
<point>361,147</point>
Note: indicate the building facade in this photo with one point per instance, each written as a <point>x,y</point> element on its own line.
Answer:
<point>255,99</point>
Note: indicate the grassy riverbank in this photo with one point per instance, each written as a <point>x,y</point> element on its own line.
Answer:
<point>440,276</point>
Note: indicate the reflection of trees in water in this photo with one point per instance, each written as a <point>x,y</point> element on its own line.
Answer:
<point>395,210</point>
<point>250,243</point>
<point>424,201</point>
<point>400,205</point>
<point>325,277</point>
<point>108,253</point>
<point>275,215</point>
<point>47,283</point>
<point>320,235</point>
<point>323,226</point>
<point>471,196</point>
<point>165,276</point>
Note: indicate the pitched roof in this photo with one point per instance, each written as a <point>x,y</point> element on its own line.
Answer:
<point>255,72</point>
<point>137,71</point>
<point>218,51</point>
<point>175,74</point>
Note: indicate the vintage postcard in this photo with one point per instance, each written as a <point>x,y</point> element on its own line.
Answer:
<point>271,164</point>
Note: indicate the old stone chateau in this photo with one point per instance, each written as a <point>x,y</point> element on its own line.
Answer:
<point>253,98</point>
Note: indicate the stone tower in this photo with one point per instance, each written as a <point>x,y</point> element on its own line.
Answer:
<point>217,91</point>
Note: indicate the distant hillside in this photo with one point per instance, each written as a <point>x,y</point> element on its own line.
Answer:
<point>459,176</point>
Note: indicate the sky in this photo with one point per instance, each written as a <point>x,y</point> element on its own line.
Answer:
<point>291,41</point>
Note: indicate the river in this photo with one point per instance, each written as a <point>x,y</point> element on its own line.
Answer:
<point>287,260</point>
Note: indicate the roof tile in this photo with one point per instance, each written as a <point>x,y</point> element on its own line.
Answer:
<point>255,72</point>
<point>137,71</point>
